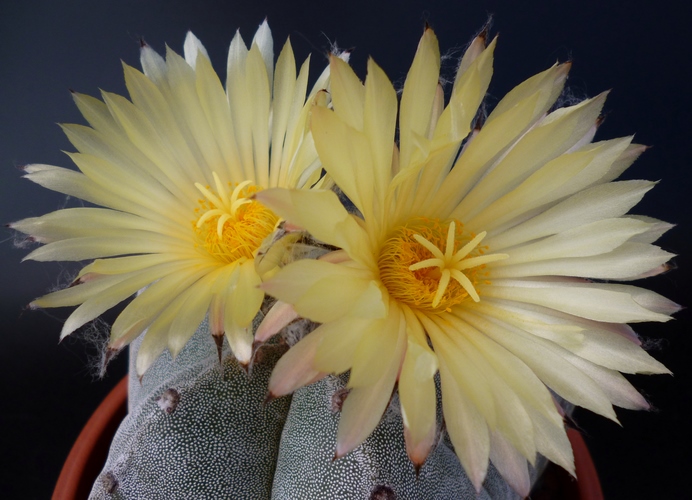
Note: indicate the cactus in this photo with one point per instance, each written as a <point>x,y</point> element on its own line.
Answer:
<point>197,431</point>
<point>194,431</point>
<point>379,469</point>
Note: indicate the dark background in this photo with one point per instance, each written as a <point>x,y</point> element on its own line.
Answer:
<point>639,49</point>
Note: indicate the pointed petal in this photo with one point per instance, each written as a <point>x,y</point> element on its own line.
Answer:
<point>348,94</point>
<point>418,401</point>
<point>364,406</point>
<point>346,156</point>
<point>623,162</point>
<point>510,463</point>
<point>552,441</point>
<point>239,338</point>
<point>380,341</point>
<point>379,125</point>
<point>323,215</point>
<point>192,47</point>
<point>467,428</point>
<point>628,262</point>
<point>475,49</point>
<point>279,316</point>
<point>599,202</point>
<point>554,370</point>
<point>552,137</point>
<point>559,178</point>
<point>144,309</point>
<point>159,333</point>
<point>418,95</point>
<point>477,390</point>
<point>295,368</point>
<point>283,100</point>
<point>153,65</point>
<point>193,308</point>
<point>591,301</point>
<point>583,241</point>
<point>341,338</point>
<point>246,298</point>
<point>263,39</point>
<point>512,117</point>
<point>119,290</point>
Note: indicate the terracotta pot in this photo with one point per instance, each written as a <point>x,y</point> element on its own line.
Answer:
<point>89,453</point>
<point>556,483</point>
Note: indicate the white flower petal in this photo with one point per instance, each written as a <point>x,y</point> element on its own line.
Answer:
<point>355,424</point>
<point>246,297</point>
<point>544,143</point>
<point>629,261</point>
<point>511,465</point>
<point>593,204</point>
<point>192,47</point>
<point>591,301</point>
<point>553,369</point>
<point>279,316</point>
<point>380,338</point>
<point>419,92</point>
<point>144,309</point>
<point>559,178</point>
<point>583,241</point>
<point>417,395</point>
<point>467,429</point>
<point>295,368</point>
<point>263,39</point>
<point>146,161</point>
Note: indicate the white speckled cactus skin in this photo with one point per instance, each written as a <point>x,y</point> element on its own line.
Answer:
<point>379,469</point>
<point>192,435</point>
<point>218,440</point>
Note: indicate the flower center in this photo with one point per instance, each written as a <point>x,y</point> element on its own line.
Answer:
<point>232,227</point>
<point>432,266</point>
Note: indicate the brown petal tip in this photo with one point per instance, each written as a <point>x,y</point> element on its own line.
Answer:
<point>269,398</point>
<point>417,468</point>
<point>245,366</point>
<point>107,357</point>
<point>256,346</point>
<point>483,35</point>
<point>218,340</point>
<point>76,282</point>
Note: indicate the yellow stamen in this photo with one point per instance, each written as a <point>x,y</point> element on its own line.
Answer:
<point>232,228</point>
<point>466,249</point>
<point>433,266</point>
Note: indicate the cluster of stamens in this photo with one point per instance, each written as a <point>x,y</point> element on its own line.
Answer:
<point>232,227</point>
<point>433,266</point>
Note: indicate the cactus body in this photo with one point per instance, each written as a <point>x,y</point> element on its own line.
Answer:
<point>192,433</point>
<point>379,469</point>
<point>195,433</point>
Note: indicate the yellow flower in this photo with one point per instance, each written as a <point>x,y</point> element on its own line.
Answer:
<point>175,169</point>
<point>472,256</point>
